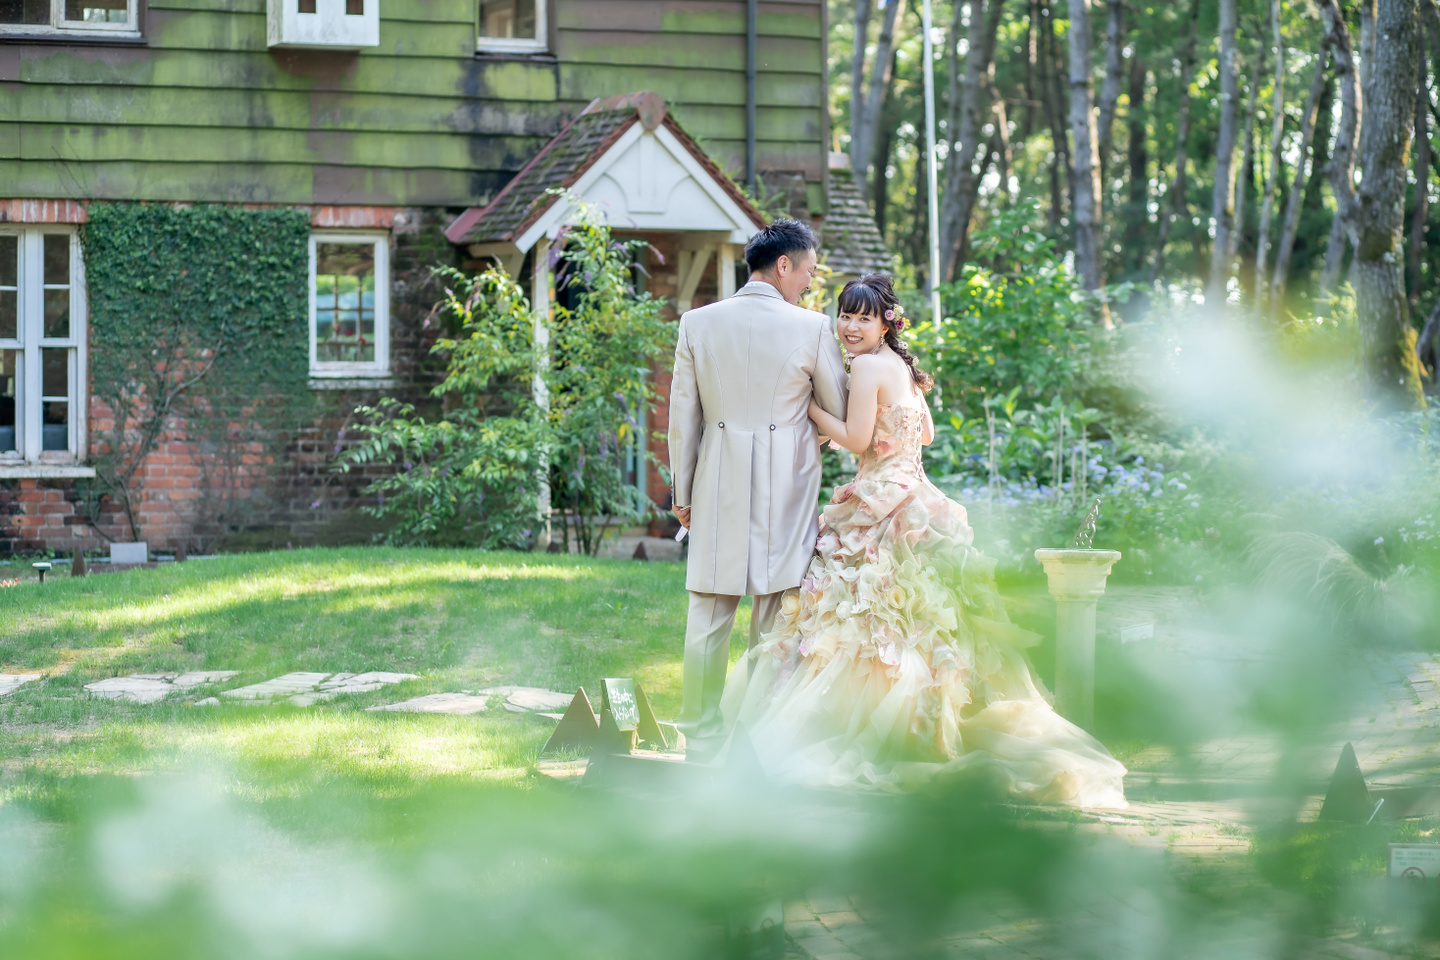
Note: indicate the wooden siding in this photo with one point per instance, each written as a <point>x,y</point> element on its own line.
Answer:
<point>204,111</point>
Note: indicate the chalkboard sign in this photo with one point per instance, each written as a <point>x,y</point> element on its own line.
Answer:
<point>620,698</point>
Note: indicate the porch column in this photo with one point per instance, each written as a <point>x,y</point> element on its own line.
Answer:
<point>726,268</point>
<point>540,306</point>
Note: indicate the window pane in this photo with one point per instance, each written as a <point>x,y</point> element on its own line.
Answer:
<point>507,18</point>
<point>9,257</point>
<point>345,302</point>
<point>354,8</point>
<point>36,12</point>
<point>57,313</point>
<point>57,258</point>
<point>9,387</point>
<point>98,11</point>
<point>55,373</point>
<point>307,6</point>
<point>55,431</point>
<point>9,315</point>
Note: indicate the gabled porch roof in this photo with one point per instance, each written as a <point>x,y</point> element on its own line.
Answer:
<point>627,155</point>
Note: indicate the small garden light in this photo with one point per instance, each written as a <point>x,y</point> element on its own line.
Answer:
<point>43,567</point>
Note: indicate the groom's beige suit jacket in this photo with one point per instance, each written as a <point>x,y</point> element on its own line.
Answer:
<point>744,455</point>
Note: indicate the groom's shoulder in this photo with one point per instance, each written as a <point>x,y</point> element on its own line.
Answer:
<point>771,307</point>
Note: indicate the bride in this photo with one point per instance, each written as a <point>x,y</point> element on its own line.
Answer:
<point>894,660</point>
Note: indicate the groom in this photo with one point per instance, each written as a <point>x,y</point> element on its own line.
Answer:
<point>744,460</point>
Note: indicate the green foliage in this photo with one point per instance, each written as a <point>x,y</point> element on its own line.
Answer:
<point>197,315</point>
<point>598,380</point>
<point>473,476</point>
<point>1015,320</point>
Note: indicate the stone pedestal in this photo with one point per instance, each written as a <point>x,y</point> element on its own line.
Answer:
<point>1077,581</point>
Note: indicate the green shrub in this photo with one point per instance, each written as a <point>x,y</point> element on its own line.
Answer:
<point>474,476</point>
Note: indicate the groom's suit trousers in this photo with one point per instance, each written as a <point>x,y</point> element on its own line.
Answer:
<point>707,658</point>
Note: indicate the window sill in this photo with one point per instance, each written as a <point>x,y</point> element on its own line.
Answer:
<point>45,471</point>
<point>97,38</point>
<point>382,381</point>
<point>538,55</point>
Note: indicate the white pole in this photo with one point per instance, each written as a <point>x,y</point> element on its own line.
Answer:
<point>933,192</point>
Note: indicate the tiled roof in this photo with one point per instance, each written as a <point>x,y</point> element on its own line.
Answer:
<point>562,161</point>
<point>848,235</point>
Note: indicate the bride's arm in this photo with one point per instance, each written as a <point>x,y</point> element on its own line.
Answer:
<point>855,432</point>
<point>927,432</point>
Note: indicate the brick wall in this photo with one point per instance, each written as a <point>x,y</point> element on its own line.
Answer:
<point>252,492</point>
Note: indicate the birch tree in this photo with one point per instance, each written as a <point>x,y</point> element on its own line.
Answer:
<point>1085,203</point>
<point>1223,194</point>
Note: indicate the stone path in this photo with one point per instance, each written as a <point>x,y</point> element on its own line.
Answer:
<point>306,688</point>
<point>10,682</point>
<point>153,687</point>
<point>455,703</point>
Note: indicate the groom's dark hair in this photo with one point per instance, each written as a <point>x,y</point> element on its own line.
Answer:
<point>782,238</point>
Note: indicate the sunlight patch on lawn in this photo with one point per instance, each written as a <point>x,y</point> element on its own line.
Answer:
<point>284,750</point>
<point>376,587</point>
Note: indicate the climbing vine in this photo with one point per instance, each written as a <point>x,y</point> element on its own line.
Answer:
<point>198,316</point>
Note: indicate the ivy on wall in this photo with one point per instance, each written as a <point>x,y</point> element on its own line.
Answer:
<point>199,321</point>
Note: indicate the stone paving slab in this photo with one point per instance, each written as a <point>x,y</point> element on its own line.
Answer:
<point>342,683</point>
<point>195,678</point>
<point>10,682</point>
<point>461,704</point>
<point>283,686</point>
<point>137,689</point>
<point>530,699</point>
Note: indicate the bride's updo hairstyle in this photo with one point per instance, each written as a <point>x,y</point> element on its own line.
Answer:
<point>874,294</point>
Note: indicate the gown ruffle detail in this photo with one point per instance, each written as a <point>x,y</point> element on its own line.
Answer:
<point>894,661</point>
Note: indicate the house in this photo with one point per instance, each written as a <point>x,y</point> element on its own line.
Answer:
<point>351,145</point>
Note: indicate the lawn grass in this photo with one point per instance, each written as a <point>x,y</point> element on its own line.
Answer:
<point>461,620</point>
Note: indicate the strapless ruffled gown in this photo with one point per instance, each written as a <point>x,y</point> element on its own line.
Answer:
<point>894,661</point>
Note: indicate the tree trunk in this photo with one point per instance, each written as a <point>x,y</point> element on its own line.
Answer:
<point>1174,202</point>
<point>1374,214</point>
<point>1297,191</point>
<point>1032,95</point>
<point>857,82</point>
<point>1334,255</point>
<point>1422,183</point>
<point>1085,201</point>
<point>961,182</point>
<point>1003,155</point>
<point>1246,172</point>
<point>1137,213</point>
<point>1061,171</point>
<point>1110,89</point>
<point>865,129</point>
<point>880,196</point>
<point>1222,203</point>
<point>1277,134</point>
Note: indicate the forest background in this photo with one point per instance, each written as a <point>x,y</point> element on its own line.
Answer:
<point>1188,264</point>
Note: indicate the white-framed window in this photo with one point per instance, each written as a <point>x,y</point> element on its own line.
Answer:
<point>512,26</point>
<point>42,344</point>
<point>349,305</point>
<point>97,17</point>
